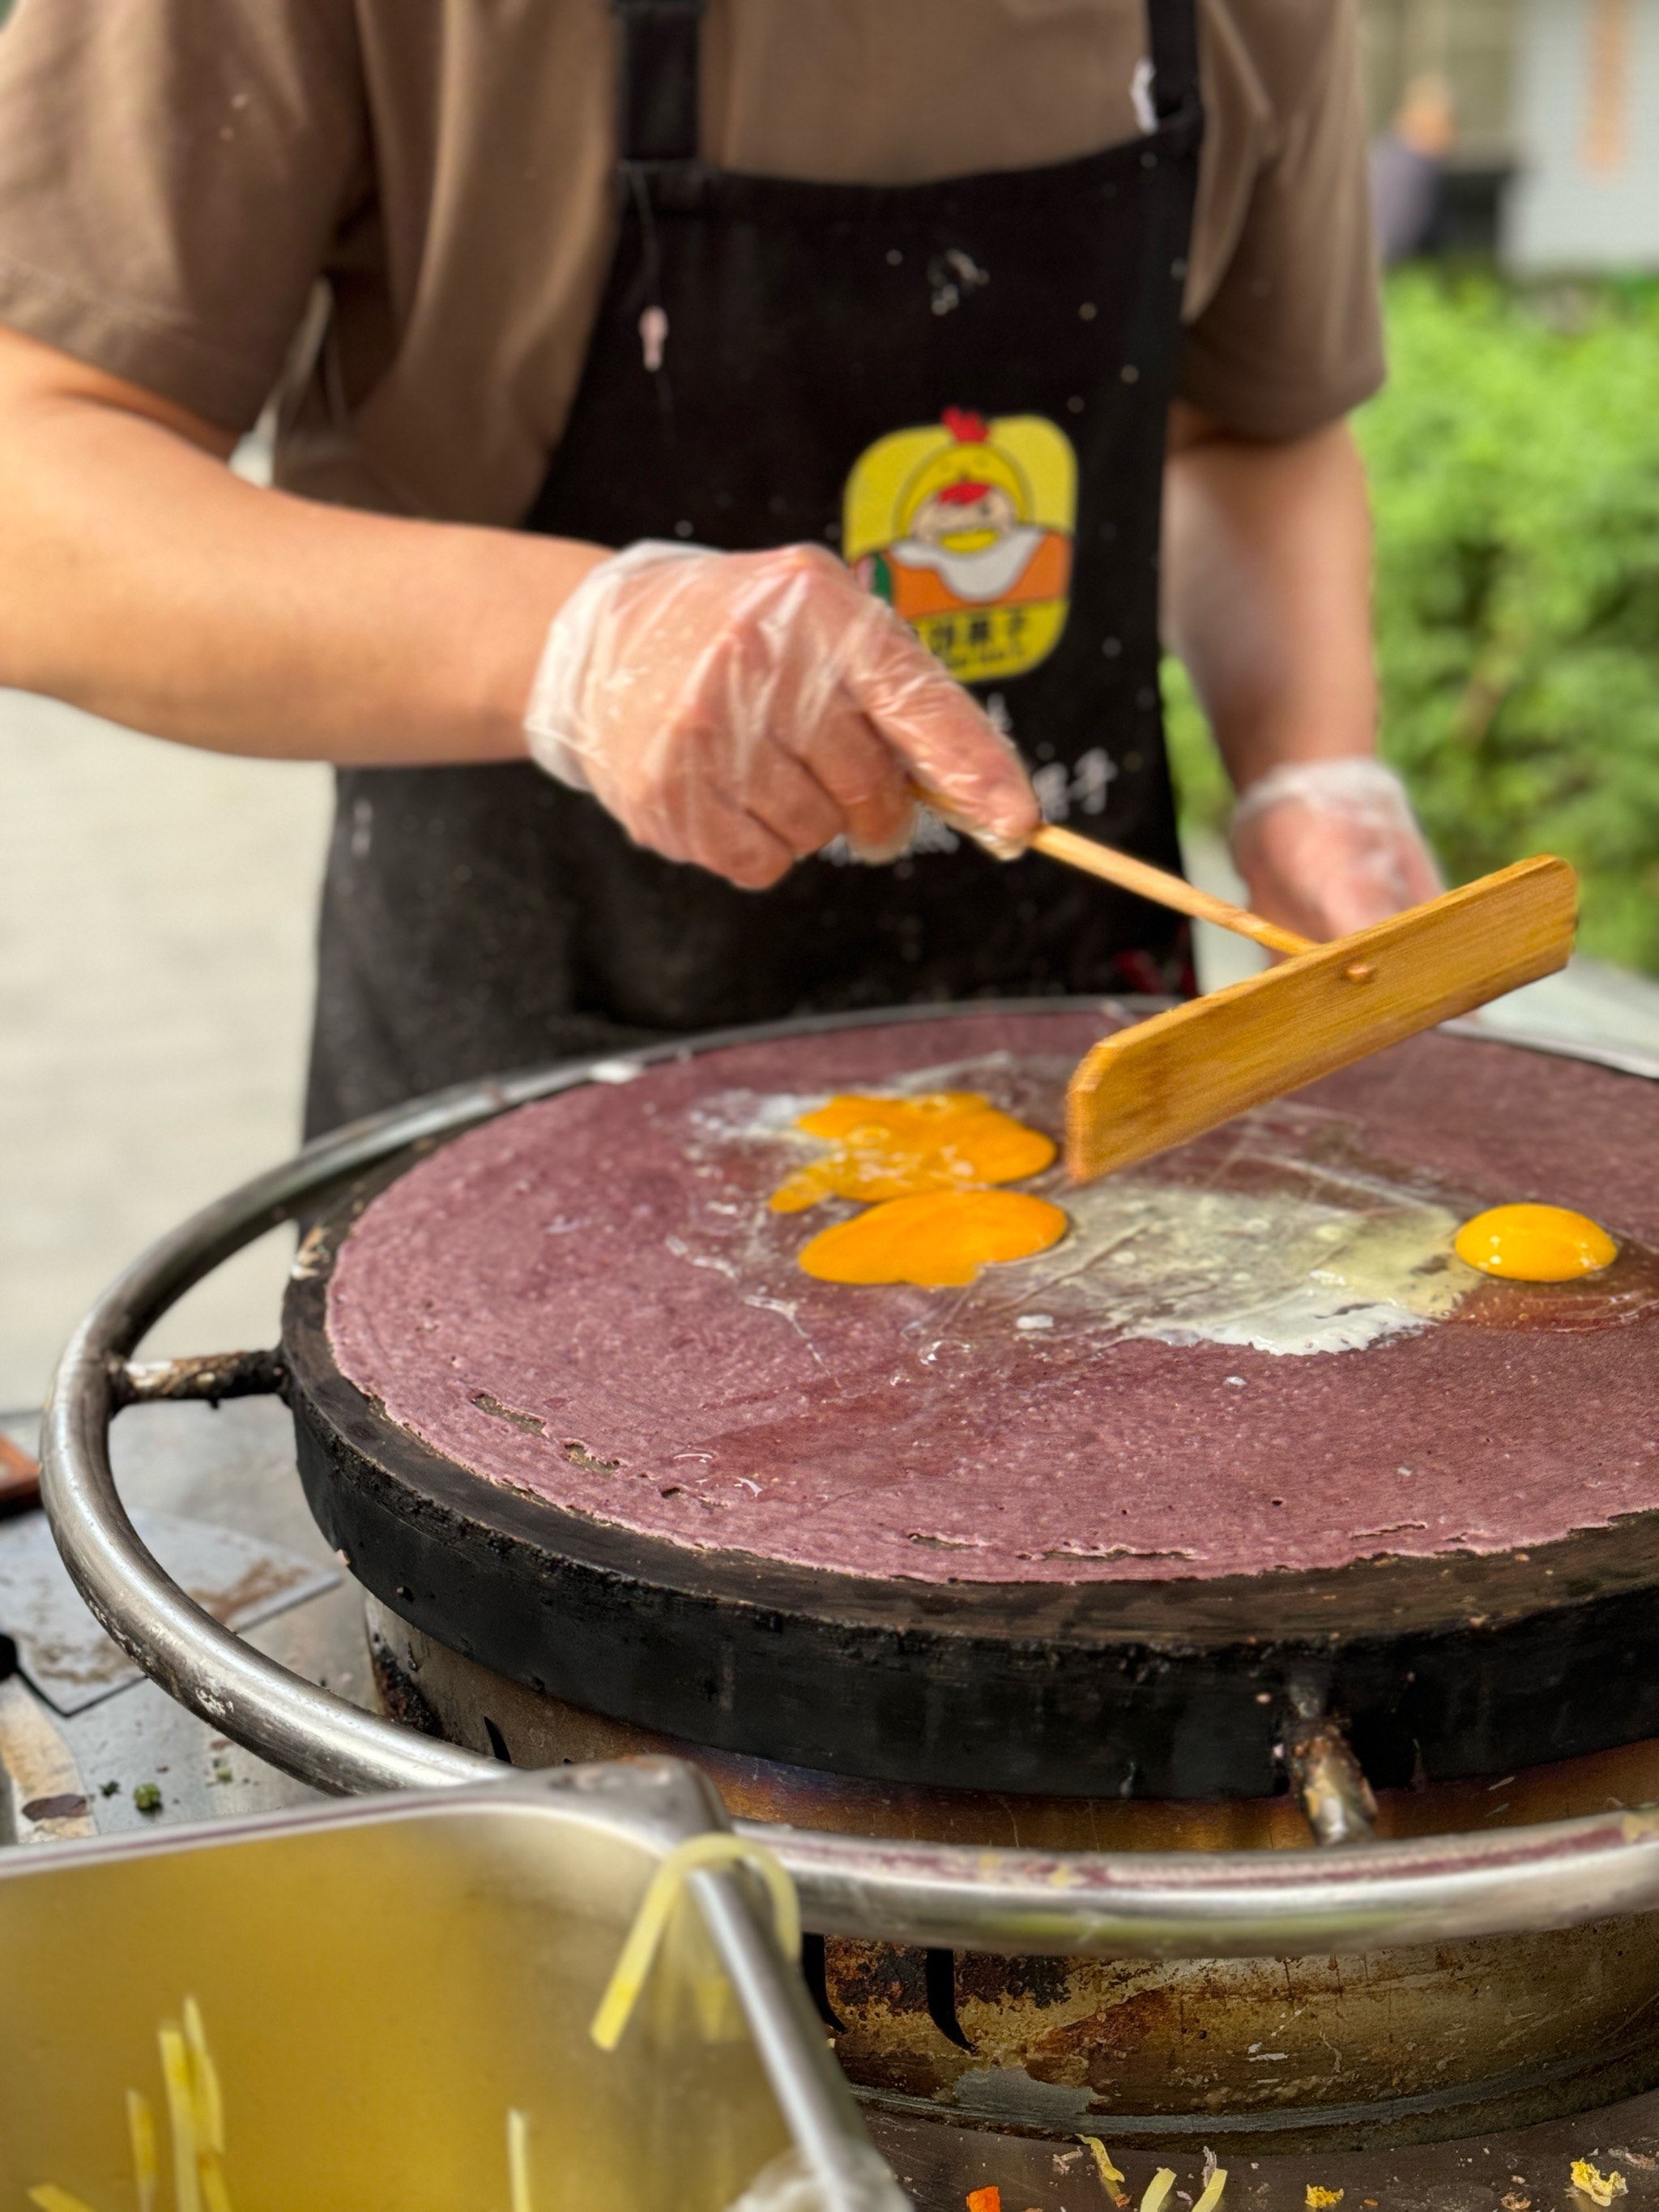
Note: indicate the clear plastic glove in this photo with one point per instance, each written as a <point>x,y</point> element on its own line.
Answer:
<point>743,709</point>
<point>1330,845</point>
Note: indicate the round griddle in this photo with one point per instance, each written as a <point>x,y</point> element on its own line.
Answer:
<point>494,1508</point>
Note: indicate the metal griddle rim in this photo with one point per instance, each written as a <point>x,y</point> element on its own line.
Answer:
<point>1149,1905</point>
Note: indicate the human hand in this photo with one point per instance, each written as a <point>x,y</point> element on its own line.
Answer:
<point>1328,846</point>
<point>741,710</point>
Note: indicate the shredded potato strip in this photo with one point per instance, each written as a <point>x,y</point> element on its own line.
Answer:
<point>1212,2189</point>
<point>517,2161</point>
<point>634,1965</point>
<point>1158,2189</point>
<point>206,2094</point>
<point>207,2099</point>
<point>51,2198</point>
<point>181,2111</point>
<point>146,2164</point>
<point>1111,2180</point>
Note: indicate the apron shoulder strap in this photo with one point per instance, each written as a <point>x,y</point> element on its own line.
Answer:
<point>657,85</point>
<point>1172,37</point>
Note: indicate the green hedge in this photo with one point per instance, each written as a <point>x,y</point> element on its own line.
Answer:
<point>1514,460</point>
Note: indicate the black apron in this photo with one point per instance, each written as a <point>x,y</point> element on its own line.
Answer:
<point>961,386</point>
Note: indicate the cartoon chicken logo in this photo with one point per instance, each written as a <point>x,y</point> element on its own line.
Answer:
<point>965,528</point>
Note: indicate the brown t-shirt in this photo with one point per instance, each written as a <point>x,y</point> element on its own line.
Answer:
<point>175,177</point>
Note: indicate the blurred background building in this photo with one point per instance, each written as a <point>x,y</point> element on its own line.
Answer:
<point>1554,158</point>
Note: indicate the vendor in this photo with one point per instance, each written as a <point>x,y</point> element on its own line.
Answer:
<point>694,432</point>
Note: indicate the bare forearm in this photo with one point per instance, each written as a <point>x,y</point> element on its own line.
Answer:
<point>1268,577</point>
<point>141,580</point>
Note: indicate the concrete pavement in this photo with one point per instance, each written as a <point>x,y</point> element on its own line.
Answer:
<point>155,924</point>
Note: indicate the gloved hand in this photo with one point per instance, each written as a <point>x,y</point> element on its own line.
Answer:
<point>742,709</point>
<point>1330,845</point>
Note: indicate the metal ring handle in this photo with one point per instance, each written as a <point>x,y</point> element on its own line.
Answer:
<point>1147,1905</point>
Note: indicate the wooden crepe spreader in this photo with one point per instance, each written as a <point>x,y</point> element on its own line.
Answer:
<point>1166,1080</point>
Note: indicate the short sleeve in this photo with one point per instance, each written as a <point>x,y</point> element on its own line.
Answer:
<point>171,175</point>
<point>1290,336</point>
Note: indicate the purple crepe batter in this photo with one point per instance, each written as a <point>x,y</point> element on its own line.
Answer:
<point>544,1301</point>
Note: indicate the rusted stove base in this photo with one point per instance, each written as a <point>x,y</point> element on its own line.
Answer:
<point>1249,2057</point>
<point>1262,2055</point>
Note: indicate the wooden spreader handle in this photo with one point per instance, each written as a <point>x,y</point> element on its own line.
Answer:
<point>1150,883</point>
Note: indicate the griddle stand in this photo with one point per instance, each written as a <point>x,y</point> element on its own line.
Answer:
<point>1148,1905</point>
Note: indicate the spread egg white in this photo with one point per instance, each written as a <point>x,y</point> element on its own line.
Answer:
<point>1279,1271</point>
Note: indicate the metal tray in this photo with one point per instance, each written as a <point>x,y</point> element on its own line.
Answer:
<point>382,1983</point>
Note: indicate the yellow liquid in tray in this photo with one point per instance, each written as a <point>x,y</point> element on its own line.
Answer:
<point>378,1996</point>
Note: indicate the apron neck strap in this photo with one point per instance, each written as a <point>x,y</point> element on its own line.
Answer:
<point>1172,37</point>
<point>659,78</point>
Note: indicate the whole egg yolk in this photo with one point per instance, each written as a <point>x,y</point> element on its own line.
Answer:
<point>937,1239</point>
<point>886,1148</point>
<point>1534,1244</point>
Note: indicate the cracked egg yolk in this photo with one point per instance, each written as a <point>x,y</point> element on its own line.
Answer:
<point>938,1239</point>
<point>884,1148</point>
<point>1534,1244</point>
<point>921,1164</point>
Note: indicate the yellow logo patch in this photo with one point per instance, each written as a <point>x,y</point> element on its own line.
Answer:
<point>965,527</point>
